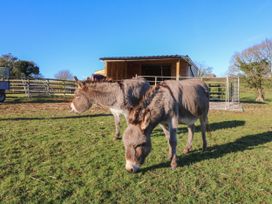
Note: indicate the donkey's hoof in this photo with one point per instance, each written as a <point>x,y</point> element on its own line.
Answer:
<point>204,148</point>
<point>187,150</point>
<point>117,137</point>
<point>173,166</point>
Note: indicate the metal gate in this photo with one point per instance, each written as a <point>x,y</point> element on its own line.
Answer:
<point>224,91</point>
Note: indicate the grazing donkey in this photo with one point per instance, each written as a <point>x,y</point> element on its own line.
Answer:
<point>119,97</point>
<point>167,104</point>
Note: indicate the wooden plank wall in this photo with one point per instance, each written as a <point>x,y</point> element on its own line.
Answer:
<point>184,68</point>
<point>119,70</point>
<point>133,68</point>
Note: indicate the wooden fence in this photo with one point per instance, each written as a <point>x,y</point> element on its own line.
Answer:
<point>41,87</point>
<point>224,92</point>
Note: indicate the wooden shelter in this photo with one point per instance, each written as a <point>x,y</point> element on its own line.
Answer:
<point>171,66</point>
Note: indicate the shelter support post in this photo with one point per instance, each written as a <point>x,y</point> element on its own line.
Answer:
<point>177,70</point>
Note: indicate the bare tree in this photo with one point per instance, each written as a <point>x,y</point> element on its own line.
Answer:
<point>255,64</point>
<point>255,53</point>
<point>64,75</point>
<point>204,70</point>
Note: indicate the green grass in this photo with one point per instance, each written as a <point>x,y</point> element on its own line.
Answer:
<point>48,155</point>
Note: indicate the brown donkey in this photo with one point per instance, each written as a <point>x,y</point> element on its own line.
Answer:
<point>167,104</point>
<point>119,97</point>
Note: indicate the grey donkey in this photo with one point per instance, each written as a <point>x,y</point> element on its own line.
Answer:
<point>119,97</point>
<point>167,104</point>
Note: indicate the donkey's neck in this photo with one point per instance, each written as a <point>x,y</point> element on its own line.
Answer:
<point>157,116</point>
<point>155,103</point>
<point>148,98</point>
<point>106,94</point>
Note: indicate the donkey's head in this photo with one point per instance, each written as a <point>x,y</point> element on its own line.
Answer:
<point>137,139</point>
<point>81,102</point>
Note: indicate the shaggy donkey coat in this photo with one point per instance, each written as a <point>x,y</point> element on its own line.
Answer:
<point>168,103</point>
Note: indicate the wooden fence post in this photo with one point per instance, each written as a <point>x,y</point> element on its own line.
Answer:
<point>64,88</point>
<point>227,93</point>
<point>47,87</point>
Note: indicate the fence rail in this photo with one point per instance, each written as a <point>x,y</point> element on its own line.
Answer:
<point>37,87</point>
<point>224,91</point>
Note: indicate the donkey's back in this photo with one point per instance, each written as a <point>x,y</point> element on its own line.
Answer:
<point>192,96</point>
<point>134,89</point>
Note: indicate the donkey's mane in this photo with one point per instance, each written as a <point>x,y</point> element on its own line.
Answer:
<point>147,98</point>
<point>136,113</point>
<point>105,83</point>
<point>91,81</point>
<point>107,80</point>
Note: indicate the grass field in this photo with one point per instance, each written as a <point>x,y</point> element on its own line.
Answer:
<point>48,155</point>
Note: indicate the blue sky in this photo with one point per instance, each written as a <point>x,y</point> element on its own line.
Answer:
<point>73,35</point>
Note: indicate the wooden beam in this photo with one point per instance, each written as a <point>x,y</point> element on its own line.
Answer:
<point>106,68</point>
<point>141,60</point>
<point>177,70</point>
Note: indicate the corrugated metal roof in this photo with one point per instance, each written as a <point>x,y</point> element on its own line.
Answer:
<point>145,57</point>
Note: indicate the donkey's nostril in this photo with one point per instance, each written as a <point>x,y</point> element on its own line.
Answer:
<point>135,169</point>
<point>130,170</point>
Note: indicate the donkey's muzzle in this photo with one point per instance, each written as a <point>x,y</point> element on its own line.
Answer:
<point>132,168</point>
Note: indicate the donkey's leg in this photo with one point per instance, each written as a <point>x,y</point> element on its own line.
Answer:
<point>191,130</point>
<point>167,136</point>
<point>117,125</point>
<point>203,123</point>
<point>126,117</point>
<point>173,144</point>
<point>170,134</point>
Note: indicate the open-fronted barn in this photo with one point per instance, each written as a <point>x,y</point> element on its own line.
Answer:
<point>174,66</point>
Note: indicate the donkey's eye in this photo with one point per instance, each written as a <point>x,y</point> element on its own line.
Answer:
<point>141,145</point>
<point>138,151</point>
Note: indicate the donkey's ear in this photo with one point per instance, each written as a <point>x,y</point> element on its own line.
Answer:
<point>146,119</point>
<point>131,115</point>
<point>79,83</point>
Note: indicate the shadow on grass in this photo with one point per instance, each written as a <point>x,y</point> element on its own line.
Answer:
<point>244,143</point>
<point>56,118</point>
<point>43,100</point>
<point>248,100</point>
<point>254,102</point>
<point>212,126</point>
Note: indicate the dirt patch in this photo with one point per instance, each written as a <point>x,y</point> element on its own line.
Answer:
<point>26,108</point>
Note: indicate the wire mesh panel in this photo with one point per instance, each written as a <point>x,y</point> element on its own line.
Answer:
<point>227,93</point>
<point>224,91</point>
